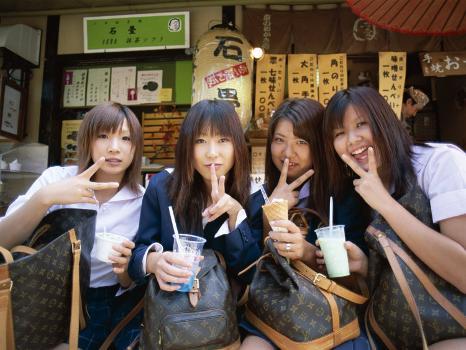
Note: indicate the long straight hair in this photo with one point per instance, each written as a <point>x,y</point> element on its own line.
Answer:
<point>187,189</point>
<point>108,118</point>
<point>306,116</point>
<point>392,143</point>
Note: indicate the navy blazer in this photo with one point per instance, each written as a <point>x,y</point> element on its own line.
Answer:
<point>350,210</point>
<point>240,247</point>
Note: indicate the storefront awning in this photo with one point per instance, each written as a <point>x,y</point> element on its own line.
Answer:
<point>421,17</point>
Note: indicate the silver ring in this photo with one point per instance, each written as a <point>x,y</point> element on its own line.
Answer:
<point>288,246</point>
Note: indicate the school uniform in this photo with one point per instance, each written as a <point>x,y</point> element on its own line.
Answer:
<point>106,303</point>
<point>240,247</point>
<point>440,170</point>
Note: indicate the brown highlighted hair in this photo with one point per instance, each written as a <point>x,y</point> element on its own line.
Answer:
<point>109,117</point>
<point>392,143</point>
<point>306,116</point>
<point>187,189</point>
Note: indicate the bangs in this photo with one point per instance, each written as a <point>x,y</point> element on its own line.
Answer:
<point>223,124</point>
<point>109,122</point>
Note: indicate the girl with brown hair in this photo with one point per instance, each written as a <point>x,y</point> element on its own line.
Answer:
<point>107,180</point>
<point>362,132</point>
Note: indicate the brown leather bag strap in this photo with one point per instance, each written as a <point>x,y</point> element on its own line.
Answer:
<point>369,317</point>
<point>122,324</point>
<point>327,284</point>
<point>333,312</point>
<point>429,286</point>
<point>6,255</point>
<point>23,249</point>
<point>7,339</point>
<point>402,282</point>
<point>75,291</point>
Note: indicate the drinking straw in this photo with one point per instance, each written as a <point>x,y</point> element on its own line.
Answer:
<point>264,195</point>
<point>177,236</point>
<point>331,214</point>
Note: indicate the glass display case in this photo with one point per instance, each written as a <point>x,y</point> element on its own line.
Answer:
<point>20,165</point>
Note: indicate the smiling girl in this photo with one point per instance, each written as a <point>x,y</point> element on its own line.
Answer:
<point>363,133</point>
<point>208,189</point>
<point>295,171</point>
<point>107,180</point>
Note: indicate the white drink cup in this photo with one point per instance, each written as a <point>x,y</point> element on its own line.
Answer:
<point>103,246</point>
<point>332,245</point>
<point>190,251</point>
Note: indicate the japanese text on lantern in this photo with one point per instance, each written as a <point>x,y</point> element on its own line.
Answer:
<point>270,84</point>
<point>441,64</point>
<point>392,73</point>
<point>302,80</point>
<point>332,75</point>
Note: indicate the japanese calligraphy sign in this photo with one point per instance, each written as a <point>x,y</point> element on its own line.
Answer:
<point>442,64</point>
<point>270,88</point>
<point>223,70</point>
<point>98,86</point>
<point>302,79</point>
<point>123,86</point>
<point>392,73</point>
<point>151,31</point>
<point>332,75</point>
<point>74,92</point>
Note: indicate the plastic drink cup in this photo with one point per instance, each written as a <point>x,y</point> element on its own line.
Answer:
<point>103,246</point>
<point>190,251</point>
<point>332,244</point>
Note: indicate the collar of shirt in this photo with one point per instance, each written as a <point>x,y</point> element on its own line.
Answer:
<point>304,192</point>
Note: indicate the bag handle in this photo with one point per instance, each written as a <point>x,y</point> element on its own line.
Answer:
<point>7,339</point>
<point>384,241</point>
<point>327,284</point>
<point>122,324</point>
<point>75,291</point>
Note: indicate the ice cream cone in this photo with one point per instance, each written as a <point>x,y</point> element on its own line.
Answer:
<point>277,210</point>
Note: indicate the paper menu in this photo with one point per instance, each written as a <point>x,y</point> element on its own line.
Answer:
<point>74,92</point>
<point>149,86</point>
<point>98,86</point>
<point>123,85</point>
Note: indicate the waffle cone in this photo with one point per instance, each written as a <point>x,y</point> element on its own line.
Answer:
<point>276,211</point>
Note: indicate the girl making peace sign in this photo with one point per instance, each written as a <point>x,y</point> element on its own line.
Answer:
<point>107,180</point>
<point>362,132</point>
<point>208,189</point>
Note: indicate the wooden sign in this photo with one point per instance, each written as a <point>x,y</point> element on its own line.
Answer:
<point>270,88</point>
<point>392,73</point>
<point>442,64</point>
<point>332,75</point>
<point>302,78</point>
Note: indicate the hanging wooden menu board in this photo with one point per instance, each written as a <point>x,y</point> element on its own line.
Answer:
<point>302,78</point>
<point>332,76</point>
<point>392,73</point>
<point>270,88</point>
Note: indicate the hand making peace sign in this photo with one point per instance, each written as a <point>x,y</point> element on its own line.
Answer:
<point>369,185</point>
<point>283,190</point>
<point>221,202</point>
<point>79,188</point>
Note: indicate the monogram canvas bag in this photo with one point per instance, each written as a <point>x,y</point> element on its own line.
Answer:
<point>40,289</point>
<point>201,319</point>
<point>411,306</point>
<point>298,308</point>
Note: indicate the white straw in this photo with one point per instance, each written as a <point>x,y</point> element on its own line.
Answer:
<point>264,195</point>
<point>177,236</point>
<point>331,214</point>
